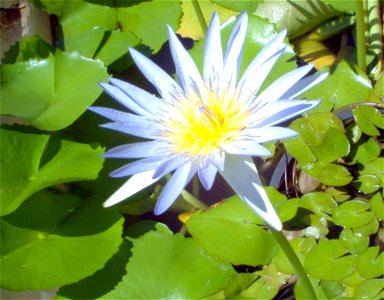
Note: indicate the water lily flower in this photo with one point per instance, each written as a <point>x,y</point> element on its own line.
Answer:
<point>206,124</point>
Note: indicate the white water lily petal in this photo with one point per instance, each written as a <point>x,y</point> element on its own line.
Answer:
<point>139,127</point>
<point>145,100</point>
<point>232,57</point>
<point>254,81</point>
<point>270,134</point>
<point>213,54</point>
<point>282,110</point>
<point>123,99</point>
<point>138,166</point>
<point>136,150</point>
<point>186,69</point>
<point>304,85</point>
<point>241,175</point>
<point>112,114</point>
<point>174,187</point>
<point>167,87</point>
<point>275,90</point>
<point>133,185</point>
<point>250,148</point>
<point>207,174</point>
<point>169,165</point>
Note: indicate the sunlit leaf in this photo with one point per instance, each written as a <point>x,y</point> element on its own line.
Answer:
<point>345,85</point>
<point>328,260</point>
<point>36,255</point>
<point>297,16</point>
<point>189,24</point>
<point>64,96</point>
<point>24,169</point>
<point>340,5</point>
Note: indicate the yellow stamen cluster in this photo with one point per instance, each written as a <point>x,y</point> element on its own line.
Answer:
<point>201,129</point>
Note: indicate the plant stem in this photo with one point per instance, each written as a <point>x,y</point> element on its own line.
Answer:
<point>295,262</point>
<point>360,35</point>
<point>200,16</point>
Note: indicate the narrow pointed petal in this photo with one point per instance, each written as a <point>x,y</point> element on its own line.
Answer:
<point>233,54</point>
<point>169,165</point>
<point>250,148</point>
<point>262,64</point>
<point>253,81</point>
<point>112,114</point>
<point>136,150</point>
<point>133,185</point>
<point>167,87</point>
<point>275,90</point>
<point>138,166</point>
<point>145,100</point>
<point>218,160</point>
<point>123,99</point>
<point>186,69</point>
<point>269,134</point>
<point>141,128</point>
<point>174,187</point>
<point>282,110</point>
<point>242,176</point>
<point>213,54</point>
<point>304,85</point>
<point>207,175</point>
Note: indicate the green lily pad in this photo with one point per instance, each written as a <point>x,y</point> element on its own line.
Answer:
<point>377,206</point>
<point>353,214</point>
<point>370,289</point>
<point>223,231</point>
<point>334,145</point>
<point>356,243</point>
<point>367,183</point>
<point>301,246</point>
<point>166,266</point>
<point>105,32</point>
<point>332,288</point>
<point>368,118</point>
<point>370,228</point>
<point>345,6</point>
<point>320,203</point>
<point>298,17</point>
<point>370,264</point>
<point>364,151</point>
<point>374,167</point>
<point>266,286</point>
<point>318,226</point>
<point>345,85</point>
<point>328,260</point>
<point>35,254</point>
<point>28,47</point>
<point>328,173</point>
<point>239,6</point>
<point>64,96</point>
<point>26,167</point>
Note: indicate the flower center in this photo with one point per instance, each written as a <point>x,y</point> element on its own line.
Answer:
<point>202,129</point>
